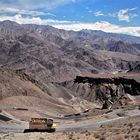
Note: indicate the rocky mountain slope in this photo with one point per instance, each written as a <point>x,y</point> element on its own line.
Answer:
<point>106,92</point>
<point>49,54</point>
<point>17,90</point>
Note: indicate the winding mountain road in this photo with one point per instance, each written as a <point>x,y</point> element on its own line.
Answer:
<point>19,126</point>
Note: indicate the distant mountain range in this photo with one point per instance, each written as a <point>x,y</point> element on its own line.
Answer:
<point>50,54</point>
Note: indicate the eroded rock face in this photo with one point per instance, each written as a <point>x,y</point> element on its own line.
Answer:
<point>108,92</point>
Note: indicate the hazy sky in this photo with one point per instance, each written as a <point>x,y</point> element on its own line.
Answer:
<point>121,16</point>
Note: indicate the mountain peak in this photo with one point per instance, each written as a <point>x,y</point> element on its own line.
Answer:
<point>9,24</point>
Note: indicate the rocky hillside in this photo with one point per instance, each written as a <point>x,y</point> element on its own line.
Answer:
<point>135,69</point>
<point>49,54</point>
<point>107,92</point>
<point>18,90</point>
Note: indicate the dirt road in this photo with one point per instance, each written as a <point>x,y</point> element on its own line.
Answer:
<point>68,125</point>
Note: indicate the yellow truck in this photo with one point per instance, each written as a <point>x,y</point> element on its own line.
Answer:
<point>41,125</point>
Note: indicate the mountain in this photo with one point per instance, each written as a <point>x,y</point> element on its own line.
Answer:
<point>44,70</point>
<point>49,54</point>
